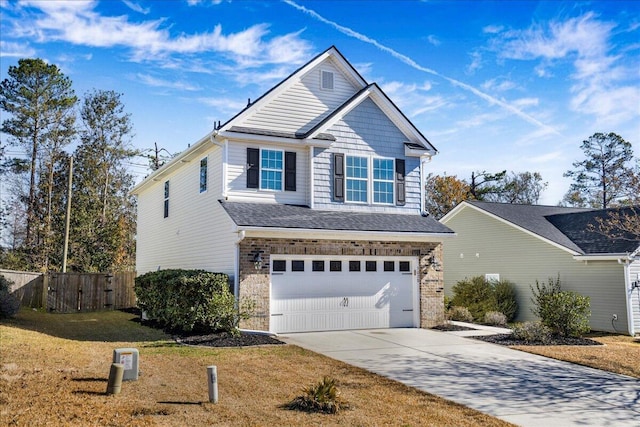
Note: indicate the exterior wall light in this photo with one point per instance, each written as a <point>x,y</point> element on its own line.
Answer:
<point>257,261</point>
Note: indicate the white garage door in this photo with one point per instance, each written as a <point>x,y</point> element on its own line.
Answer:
<point>311,293</point>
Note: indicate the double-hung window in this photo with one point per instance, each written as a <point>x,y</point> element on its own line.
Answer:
<point>357,175</point>
<point>383,181</point>
<point>203,175</point>
<point>166,199</point>
<point>271,170</point>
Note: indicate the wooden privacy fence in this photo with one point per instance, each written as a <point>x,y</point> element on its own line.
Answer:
<point>73,292</point>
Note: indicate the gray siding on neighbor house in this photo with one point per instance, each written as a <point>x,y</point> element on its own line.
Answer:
<point>485,245</point>
<point>197,233</point>
<point>366,130</point>
<point>634,272</point>
<point>304,103</point>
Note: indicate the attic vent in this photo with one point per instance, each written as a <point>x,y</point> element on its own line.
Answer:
<point>326,80</point>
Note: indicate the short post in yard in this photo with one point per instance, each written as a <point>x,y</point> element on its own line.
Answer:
<point>212,377</point>
<point>115,378</point>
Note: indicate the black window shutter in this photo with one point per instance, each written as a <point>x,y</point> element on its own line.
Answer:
<point>400,185</point>
<point>338,177</point>
<point>253,167</point>
<point>289,171</point>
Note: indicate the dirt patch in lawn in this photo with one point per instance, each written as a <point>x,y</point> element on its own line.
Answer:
<point>54,369</point>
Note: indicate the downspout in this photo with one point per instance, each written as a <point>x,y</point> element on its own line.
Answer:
<point>628,291</point>
<point>311,186</point>
<point>423,160</point>
<point>236,267</point>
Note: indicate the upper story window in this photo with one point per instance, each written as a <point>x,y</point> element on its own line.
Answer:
<point>271,167</point>
<point>203,175</point>
<point>357,179</point>
<point>383,181</point>
<point>166,199</point>
<point>369,180</point>
<point>273,170</point>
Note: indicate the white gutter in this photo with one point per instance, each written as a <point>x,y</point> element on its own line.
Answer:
<point>277,232</point>
<point>604,257</point>
<point>280,140</point>
<point>423,161</point>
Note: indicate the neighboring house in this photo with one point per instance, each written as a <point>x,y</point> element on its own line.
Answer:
<point>311,200</point>
<point>525,243</point>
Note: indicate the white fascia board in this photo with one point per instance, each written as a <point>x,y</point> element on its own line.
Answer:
<point>463,205</point>
<point>603,257</point>
<point>302,233</point>
<point>184,157</point>
<point>279,140</point>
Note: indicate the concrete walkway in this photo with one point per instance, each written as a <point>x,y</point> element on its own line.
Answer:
<point>515,386</point>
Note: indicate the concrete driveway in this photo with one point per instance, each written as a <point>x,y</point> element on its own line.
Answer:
<point>518,387</point>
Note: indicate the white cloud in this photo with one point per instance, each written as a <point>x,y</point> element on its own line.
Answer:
<point>156,82</point>
<point>434,40</point>
<point>498,85</point>
<point>413,98</point>
<point>228,105</point>
<point>16,50</point>
<point>601,87</point>
<point>136,7</point>
<point>492,29</point>
<point>78,23</point>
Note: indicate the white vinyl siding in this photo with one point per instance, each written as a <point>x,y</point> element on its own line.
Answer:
<point>236,183</point>
<point>484,245</point>
<point>365,131</point>
<point>304,104</point>
<point>197,233</point>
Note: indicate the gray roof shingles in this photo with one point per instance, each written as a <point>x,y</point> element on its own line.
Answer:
<point>568,227</point>
<point>271,215</point>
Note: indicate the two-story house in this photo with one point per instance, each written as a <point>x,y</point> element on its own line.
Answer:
<point>311,199</point>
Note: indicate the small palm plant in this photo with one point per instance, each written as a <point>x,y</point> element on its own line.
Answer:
<point>321,397</point>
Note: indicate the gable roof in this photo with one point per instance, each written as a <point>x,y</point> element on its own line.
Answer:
<point>270,215</point>
<point>366,91</point>
<point>567,228</point>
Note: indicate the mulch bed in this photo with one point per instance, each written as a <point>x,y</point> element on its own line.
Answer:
<point>448,327</point>
<point>509,340</point>
<point>227,340</point>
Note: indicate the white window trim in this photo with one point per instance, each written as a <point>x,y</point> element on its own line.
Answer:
<point>346,179</point>
<point>392,181</point>
<point>263,169</point>
<point>370,180</point>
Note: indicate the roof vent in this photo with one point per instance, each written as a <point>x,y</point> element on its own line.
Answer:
<point>326,80</point>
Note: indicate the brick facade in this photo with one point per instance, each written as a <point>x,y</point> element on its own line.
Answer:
<point>254,283</point>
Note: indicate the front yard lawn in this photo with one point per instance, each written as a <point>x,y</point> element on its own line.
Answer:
<point>54,369</point>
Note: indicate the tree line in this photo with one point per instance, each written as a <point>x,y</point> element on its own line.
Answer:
<point>45,119</point>
<point>607,176</point>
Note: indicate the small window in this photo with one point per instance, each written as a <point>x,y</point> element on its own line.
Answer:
<point>279,265</point>
<point>297,265</point>
<point>317,265</point>
<point>370,265</point>
<point>203,175</point>
<point>166,199</point>
<point>335,265</point>
<point>389,266</point>
<point>326,80</point>
<point>354,265</point>
<point>271,170</point>
<point>404,266</point>
<point>492,277</point>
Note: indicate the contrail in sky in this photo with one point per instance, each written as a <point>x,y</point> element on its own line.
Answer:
<point>490,99</point>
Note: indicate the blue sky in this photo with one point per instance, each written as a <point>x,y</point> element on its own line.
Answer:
<point>492,84</point>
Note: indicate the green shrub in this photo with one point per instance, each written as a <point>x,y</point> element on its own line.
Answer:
<point>566,313</point>
<point>184,300</point>
<point>532,332</point>
<point>481,296</point>
<point>460,314</point>
<point>495,318</point>
<point>9,305</point>
<point>321,397</point>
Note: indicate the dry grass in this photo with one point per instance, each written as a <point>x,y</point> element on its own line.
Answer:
<point>619,354</point>
<point>54,368</point>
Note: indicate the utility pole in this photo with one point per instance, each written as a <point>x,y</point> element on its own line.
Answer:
<point>68,218</point>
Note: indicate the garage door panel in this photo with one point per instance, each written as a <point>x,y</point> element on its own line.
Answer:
<point>332,300</point>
